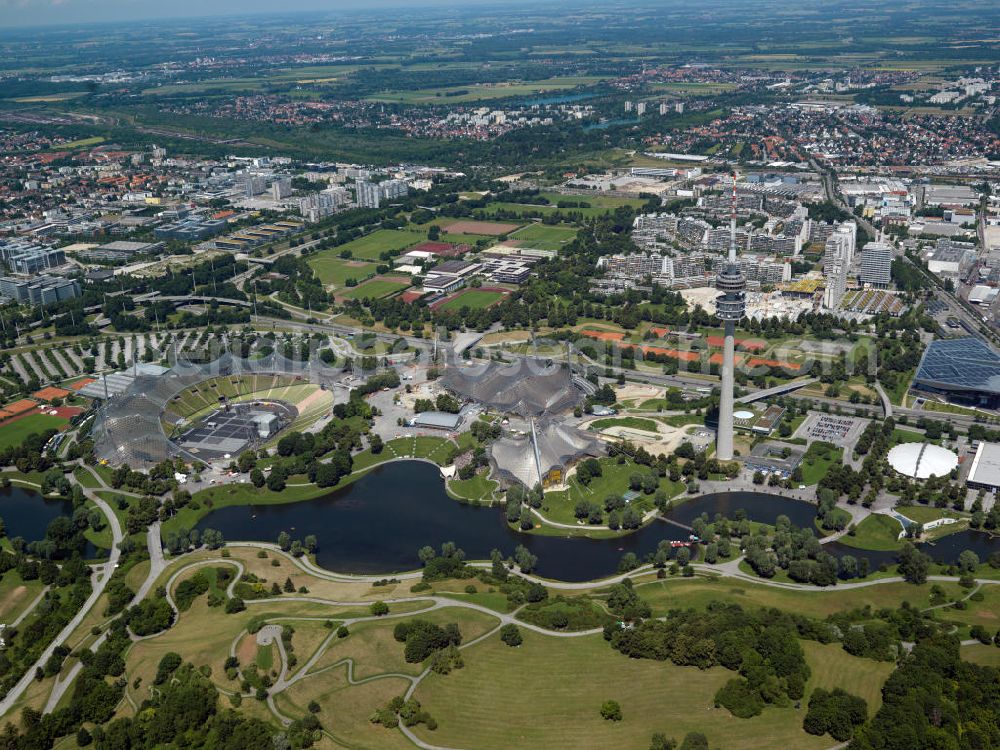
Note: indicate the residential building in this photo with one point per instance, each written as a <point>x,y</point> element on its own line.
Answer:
<point>876,265</point>
<point>368,194</point>
<point>281,188</point>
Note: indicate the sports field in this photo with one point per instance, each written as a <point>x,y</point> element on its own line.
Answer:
<point>200,399</point>
<point>474,299</point>
<point>333,270</point>
<point>544,237</point>
<point>380,286</point>
<point>13,433</point>
<point>487,228</point>
<point>371,246</point>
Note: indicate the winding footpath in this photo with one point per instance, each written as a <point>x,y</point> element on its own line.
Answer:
<point>102,574</point>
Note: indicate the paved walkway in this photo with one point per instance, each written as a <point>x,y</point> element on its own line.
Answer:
<point>100,582</point>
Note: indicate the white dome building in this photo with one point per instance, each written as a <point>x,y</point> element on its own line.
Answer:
<point>922,460</point>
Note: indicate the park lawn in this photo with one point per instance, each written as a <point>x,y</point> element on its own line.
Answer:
<point>14,433</point>
<point>906,436</point>
<point>682,420</point>
<point>375,651</point>
<point>897,394</point>
<point>202,635</point>
<point>102,539</point>
<point>479,488</point>
<point>16,594</point>
<point>345,709</point>
<point>927,513</point>
<point>437,449</point>
<point>494,600</point>
<point>86,478</point>
<point>265,657</point>
<point>552,690</point>
<point>635,423</point>
<point>681,593</point>
<point>985,613</point>
<point>544,236</point>
<point>938,406</point>
<point>375,289</point>
<point>832,667</point>
<point>333,270</point>
<point>987,656</point>
<point>366,459</point>
<point>817,462</point>
<point>474,299</point>
<point>877,532</point>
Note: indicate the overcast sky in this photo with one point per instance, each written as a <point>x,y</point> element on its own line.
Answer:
<point>67,12</point>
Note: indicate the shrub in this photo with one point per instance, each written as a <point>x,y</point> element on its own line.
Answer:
<point>741,700</point>
<point>611,711</point>
<point>511,635</point>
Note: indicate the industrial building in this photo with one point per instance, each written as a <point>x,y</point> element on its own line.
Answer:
<point>24,257</point>
<point>190,229</point>
<point>985,470</point>
<point>437,420</point>
<point>39,290</point>
<point>119,251</point>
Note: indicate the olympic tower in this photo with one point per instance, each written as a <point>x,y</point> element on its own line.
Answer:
<point>730,307</point>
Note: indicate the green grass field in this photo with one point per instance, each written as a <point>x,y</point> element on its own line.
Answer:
<point>635,423</point>
<point>833,668</point>
<point>555,688</point>
<point>375,289</point>
<point>817,462</point>
<point>371,246</point>
<point>333,270</point>
<point>81,143</point>
<point>483,92</point>
<point>877,532</point>
<point>16,594</point>
<point>545,237</point>
<point>479,488</point>
<point>681,593</point>
<point>14,433</point>
<point>474,299</point>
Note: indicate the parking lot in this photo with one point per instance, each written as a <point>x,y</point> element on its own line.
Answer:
<point>831,428</point>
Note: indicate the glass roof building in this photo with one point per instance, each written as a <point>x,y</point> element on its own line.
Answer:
<point>964,369</point>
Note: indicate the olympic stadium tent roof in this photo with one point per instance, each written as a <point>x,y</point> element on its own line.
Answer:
<point>529,387</point>
<point>922,460</point>
<point>962,366</point>
<point>529,458</point>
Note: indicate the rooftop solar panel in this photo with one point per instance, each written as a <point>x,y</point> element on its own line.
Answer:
<point>960,364</point>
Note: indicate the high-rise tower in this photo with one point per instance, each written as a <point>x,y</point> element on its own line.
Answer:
<point>730,307</point>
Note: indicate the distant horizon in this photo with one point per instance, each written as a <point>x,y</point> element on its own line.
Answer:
<point>28,14</point>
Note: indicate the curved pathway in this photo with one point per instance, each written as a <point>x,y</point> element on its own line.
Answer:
<point>100,581</point>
